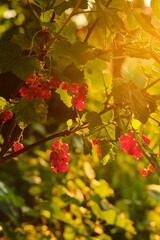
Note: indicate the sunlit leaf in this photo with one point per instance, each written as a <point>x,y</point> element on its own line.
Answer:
<point>155,4</point>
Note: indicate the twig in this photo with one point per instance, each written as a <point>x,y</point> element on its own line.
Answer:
<point>63,133</point>
<point>57,35</point>
<point>90,30</point>
<point>34,12</point>
<point>150,85</point>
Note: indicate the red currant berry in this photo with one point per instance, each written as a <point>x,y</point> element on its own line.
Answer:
<point>30,79</point>
<point>6,115</point>
<point>151,168</point>
<point>64,167</point>
<point>54,155</point>
<point>94,141</point>
<point>80,105</point>
<point>66,157</point>
<point>65,147</point>
<point>74,88</point>
<point>145,139</point>
<point>55,82</point>
<point>44,94</point>
<point>23,91</point>
<point>65,86</point>
<point>99,151</point>
<point>17,147</point>
<point>56,144</point>
<point>144,172</point>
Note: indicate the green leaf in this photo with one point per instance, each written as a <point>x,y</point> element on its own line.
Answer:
<point>105,160</point>
<point>11,60</point>
<point>93,71</point>
<point>27,111</point>
<point>102,54</point>
<point>117,4</point>
<point>145,22</point>
<point>24,67</point>
<point>60,6</point>
<point>2,103</point>
<point>139,106</point>
<point>87,146</point>
<point>105,147</point>
<point>155,5</point>
<point>94,120</point>
<point>102,188</point>
<point>64,97</point>
<point>131,20</point>
<point>112,217</point>
<point>73,73</point>
<point>119,90</point>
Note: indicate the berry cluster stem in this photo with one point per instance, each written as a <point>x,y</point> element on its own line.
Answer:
<point>63,133</point>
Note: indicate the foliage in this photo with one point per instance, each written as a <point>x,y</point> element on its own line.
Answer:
<point>85,73</point>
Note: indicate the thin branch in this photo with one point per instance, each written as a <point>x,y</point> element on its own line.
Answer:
<point>90,30</point>
<point>151,85</point>
<point>57,35</point>
<point>34,12</point>
<point>152,160</point>
<point>63,133</point>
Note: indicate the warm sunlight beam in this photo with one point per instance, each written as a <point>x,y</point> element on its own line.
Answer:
<point>147,3</point>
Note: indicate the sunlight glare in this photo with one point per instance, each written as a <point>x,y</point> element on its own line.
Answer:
<point>147,3</point>
<point>80,20</point>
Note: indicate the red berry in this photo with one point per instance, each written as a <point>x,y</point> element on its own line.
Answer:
<point>44,94</point>
<point>65,86</point>
<point>23,91</point>
<point>99,151</point>
<point>32,93</point>
<point>94,141</point>
<point>145,139</point>
<point>36,83</point>
<point>65,147</point>
<point>144,172</point>
<point>83,89</point>
<point>151,168</point>
<point>55,82</point>
<point>30,79</point>
<point>64,167</point>
<point>6,115</point>
<point>80,105</point>
<point>56,144</point>
<point>17,147</point>
<point>74,88</point>
<point>54,155</point>
<point>66,157</point>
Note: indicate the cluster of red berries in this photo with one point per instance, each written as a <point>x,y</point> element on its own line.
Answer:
<point>60,157</point>
<point>78,92</point>
<point>37,87</point>
<point>128,144</point>
<point>144,172</point>
<point>5,115</point>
